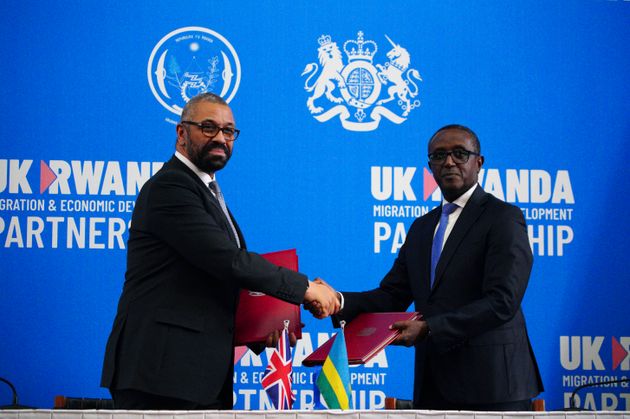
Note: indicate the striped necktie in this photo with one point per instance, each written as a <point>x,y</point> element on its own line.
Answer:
<point>214,187</point>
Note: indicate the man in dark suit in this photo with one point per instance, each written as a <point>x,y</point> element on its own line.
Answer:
<point>472,348</point>
<point>171,346</point>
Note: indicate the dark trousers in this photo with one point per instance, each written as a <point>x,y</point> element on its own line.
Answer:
<point>432,399</point>
<point>139,400</point>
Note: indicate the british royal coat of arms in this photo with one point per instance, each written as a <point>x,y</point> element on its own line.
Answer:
<point>361,93</point>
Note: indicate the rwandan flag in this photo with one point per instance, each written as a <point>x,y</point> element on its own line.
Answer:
<point>334,380</point>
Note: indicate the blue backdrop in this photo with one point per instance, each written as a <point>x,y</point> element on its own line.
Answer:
<point>322,165</point>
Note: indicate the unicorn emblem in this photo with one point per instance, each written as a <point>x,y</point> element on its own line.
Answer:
<point>397,72</point>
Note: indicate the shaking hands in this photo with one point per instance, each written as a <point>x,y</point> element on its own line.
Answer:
<point>321,299</point>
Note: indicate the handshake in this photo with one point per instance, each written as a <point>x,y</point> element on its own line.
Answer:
<point>321,299</point>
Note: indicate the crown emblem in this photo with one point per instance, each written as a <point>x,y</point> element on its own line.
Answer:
<point>360,49</point>
<point>323,40</point>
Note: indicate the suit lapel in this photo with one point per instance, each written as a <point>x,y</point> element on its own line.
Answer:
<point>470,213</point>
<point>238,230</point>
<point>176,164</point>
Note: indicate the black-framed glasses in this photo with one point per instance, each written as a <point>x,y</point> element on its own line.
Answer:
<point>459,155</point>
<point>212,130</point>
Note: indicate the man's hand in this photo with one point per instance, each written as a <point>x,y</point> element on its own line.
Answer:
<point>274,337</point>
<point>321,299</point>
<point>411,331</point>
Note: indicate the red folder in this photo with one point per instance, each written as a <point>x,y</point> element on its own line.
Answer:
<point>259,314</point>
<point>366,336</point>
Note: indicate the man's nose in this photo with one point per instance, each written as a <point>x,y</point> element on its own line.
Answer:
<point>220,138</point>
<point>448,161</point>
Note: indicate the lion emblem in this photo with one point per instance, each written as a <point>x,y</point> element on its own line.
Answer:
<point>331,66</point>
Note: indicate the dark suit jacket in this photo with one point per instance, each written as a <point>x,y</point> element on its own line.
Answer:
<point>173,333</point>
<point>478,347</point>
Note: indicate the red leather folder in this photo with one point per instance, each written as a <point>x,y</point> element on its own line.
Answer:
<point>259,314</point>
<point>366,336</point>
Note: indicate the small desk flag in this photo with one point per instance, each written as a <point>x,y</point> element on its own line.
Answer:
<point>334,379</point>
<point>277,378</point>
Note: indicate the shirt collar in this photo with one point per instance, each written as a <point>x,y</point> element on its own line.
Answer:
<point>463,199</point>
<point>205,177</point>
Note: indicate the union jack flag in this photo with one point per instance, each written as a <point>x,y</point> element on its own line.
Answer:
<point>277,378</point>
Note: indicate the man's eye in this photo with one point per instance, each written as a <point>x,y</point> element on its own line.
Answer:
<point>460,154</point>
<point>209,127</point>
<point>228,131</point>
<point>440,155</point>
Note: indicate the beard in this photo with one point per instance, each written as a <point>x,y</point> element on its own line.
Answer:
<point>205,161</point>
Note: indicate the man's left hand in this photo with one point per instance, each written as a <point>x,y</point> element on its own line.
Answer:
<point>410,331</point>
<point>274,337</point>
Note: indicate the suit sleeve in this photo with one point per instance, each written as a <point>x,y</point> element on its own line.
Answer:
<point>393,293</point>
<point>506,268</point>
<point>176,214</point>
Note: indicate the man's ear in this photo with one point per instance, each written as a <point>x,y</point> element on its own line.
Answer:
<point>179,129</point>
<point>480,159</point>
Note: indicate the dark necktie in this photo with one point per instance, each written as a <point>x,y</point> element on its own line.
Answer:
<point>438,239</point>
<point>214,187</point>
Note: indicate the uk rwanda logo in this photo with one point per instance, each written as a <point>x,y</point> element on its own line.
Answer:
<point>189,61</point>
<point>361,93</point>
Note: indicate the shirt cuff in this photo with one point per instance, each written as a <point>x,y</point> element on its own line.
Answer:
<point>341,300</point>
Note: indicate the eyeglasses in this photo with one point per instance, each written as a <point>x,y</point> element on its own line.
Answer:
<point>459,155</point>
<point>211,130</point>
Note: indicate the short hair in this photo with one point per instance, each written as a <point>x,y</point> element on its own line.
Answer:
<point>189,108</point>
<point>471,133</point>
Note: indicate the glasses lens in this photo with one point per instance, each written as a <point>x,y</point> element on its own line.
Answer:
<point>437,157</point>
<point>460,156</point>
<point>210,130</point>
<point>228,133</point>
